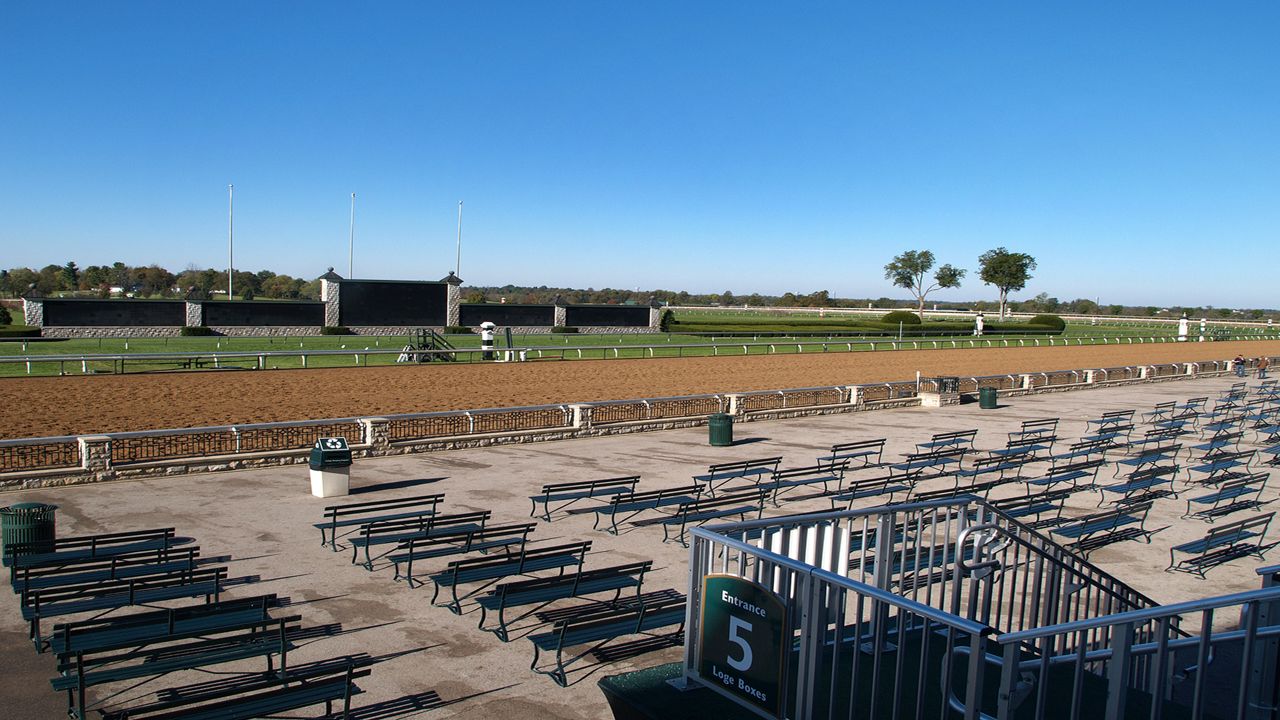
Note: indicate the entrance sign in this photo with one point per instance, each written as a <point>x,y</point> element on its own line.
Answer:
<point>743,638</point>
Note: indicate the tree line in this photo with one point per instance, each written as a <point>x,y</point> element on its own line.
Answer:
<point>914,270</point>
<point>151,281</point>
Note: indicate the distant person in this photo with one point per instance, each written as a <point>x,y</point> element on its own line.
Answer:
<point>1262,365</point>
<point>1238,365</point>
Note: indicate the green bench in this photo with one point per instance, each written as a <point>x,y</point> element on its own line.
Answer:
<point>1143,484</point>
<point>1221,545</point>
<point>871,487</point>
<point>634,503</point>
<point>115,567</point>
<point>719,474</point>
<point>327,682</point>
<point>791,478</point>
<point>571,492</point>
<point>528,560</point>
<point>44,603</point>
<point>1090,532</point>
<point>862,450</point>
<point>540,591</point>
<point>457,542</point>
<point>594,627</point>
<point>355,515</point>
<point>1231,496</point>
<point>258,638</point>
<point>1036,506</point>
<point>1069,473</point>
<point>80,547</point>
<point>394,532</point>
<point>136,629</point>
<point>697,512</point>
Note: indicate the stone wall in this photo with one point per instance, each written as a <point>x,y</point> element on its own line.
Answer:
<point>110,331</point>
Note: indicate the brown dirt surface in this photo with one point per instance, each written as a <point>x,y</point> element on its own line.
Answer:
<point>78,405</point>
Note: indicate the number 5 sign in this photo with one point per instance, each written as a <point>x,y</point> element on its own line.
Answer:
<point>742,641</point>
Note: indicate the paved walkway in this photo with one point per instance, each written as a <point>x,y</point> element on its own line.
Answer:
<point>263,519</point>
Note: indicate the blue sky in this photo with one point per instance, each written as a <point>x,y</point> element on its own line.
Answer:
<point>1132,148</point>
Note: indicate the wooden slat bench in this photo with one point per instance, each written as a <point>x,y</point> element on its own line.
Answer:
<point>507,538</point>
<point>701,511</point>
<point>539,591</point>
<point>1221,545</point>
<point>326,682</point>
<point>258,639</point>
<point>356,515</point>
<point>624,507</point>
<point>862,451</point>
<point>1230,497</point>
<point>394,532</point>
<point>530,559</point>
<point>601,626</point>
<point>571,492</point>
<point>42,603</point>
<point>1090,532</point>
<point>722,473</point>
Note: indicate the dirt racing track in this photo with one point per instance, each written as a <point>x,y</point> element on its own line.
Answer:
<point>78,405</point>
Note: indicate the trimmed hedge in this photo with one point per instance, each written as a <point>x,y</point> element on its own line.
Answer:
<point>335,330</point>
<point>196,332</point>
<point>561,329</point>
<point>19,331</point>
<point>905,317</point>
<point>1049,321</point>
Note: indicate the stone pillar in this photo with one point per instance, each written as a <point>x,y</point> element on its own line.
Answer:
<point>376,433</point>
<point>453,312</point>
<point>1142,372</point>
<point>95,453</point>
<point>581,416</point>
<point>560,312</point>
<point>331,296</point>
<point>1088,376</point>
<point>195,314</point>
<point>655,315</point>
<point>1028,382</point>
<point>855,395</point>
<point>1192,368</point>
<point>734,408</point>
<point>33,311</point>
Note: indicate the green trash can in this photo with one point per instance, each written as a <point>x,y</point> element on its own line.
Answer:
<point>27,523</point>
<point>987,398</point>
<point>721,429</point>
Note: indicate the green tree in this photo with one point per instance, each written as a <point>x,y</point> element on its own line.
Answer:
<point>70,276</point>
<point>1007,271</point>
<point>910,270</point>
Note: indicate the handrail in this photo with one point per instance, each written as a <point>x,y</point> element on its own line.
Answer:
<point>1142,615</point>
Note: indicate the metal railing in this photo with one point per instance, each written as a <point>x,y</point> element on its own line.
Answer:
<point>26,454</point>
<point>260,359</point>
<point>896,590</point>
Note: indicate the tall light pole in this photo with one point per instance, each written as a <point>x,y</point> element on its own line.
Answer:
<point>231,189</point>
<point>457,265</point>
<point>351,242</point>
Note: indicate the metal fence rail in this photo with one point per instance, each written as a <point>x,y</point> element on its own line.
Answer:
<point>952,572</point>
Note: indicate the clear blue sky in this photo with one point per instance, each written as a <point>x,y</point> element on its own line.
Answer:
<point>1133,148</point>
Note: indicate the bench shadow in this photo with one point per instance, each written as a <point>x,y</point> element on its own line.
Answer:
<point>748,441</point>
<point>407,704</point>
<point>394,485</point>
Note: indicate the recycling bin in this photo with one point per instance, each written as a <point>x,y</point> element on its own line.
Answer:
<point>330,467</point>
